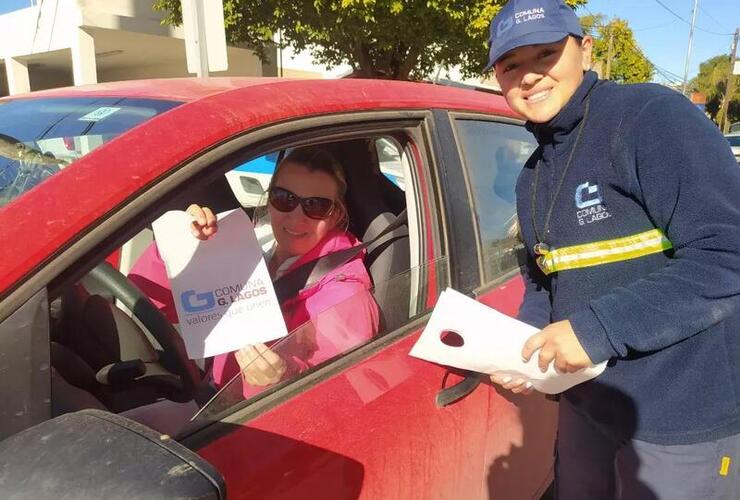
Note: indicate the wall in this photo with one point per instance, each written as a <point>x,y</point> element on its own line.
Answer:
<point>26,32</point>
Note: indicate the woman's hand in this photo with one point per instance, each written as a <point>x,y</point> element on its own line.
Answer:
<point>557,342</point>
<point>516,385</point>
<point>259,365</point>
<point>205,225</point>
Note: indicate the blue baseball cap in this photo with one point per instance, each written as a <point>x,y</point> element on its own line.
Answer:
<point>530,22</point>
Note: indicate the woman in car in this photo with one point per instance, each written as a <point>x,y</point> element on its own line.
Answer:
<point>308,216</point>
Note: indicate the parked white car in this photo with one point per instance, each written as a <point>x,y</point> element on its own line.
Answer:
<point>734,139</point>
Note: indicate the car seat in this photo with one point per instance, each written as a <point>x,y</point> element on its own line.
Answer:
<point>373,202</point>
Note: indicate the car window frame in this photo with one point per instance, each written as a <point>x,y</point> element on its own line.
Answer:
<point>484,285</point>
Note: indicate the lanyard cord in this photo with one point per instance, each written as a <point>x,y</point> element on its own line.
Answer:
<point>540,247</point>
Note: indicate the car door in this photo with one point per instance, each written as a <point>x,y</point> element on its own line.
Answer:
<point>484,156</point>
<point>365,425</point>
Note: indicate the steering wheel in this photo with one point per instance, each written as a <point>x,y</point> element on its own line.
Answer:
<point>174,356</point>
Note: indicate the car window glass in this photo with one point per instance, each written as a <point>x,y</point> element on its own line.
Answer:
<point>390,160</point>
<point>39,137</point>
<point>734,140</point>
<point>494,154</point>
<point>24,357</point>
<point>332,330</point>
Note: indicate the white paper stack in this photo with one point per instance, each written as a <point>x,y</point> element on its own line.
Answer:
<point>222,289</point>
<point>491,342</point>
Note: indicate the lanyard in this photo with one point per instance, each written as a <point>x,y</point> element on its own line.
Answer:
<point>541,248</point>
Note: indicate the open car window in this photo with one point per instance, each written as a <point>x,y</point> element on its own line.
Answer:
<point>337,331</point>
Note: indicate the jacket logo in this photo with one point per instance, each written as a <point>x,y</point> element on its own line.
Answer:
<point>584,195</point>
<point>590,204</point>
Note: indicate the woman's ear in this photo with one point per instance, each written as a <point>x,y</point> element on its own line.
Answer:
<point>587,46</point>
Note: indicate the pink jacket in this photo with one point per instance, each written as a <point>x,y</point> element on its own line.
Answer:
<point>340,308</point>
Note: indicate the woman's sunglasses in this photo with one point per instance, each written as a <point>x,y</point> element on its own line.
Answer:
<point>313,206</point>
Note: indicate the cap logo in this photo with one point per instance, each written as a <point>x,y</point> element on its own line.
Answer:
<point>504,26</point>
<point>529,15</point>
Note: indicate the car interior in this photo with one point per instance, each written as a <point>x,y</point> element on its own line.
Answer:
<point>112,349</point>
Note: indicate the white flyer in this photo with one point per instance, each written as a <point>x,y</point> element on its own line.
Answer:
<point>491,342</point>
<point>222,289</point>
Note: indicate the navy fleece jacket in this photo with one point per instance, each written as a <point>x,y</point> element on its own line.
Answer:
<point>668,322</point>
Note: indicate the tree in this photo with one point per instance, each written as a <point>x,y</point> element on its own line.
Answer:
<point>628,63</point>
<point>395,39</point>
<point>711,82</point>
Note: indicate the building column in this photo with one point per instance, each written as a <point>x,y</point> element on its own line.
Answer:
<point>17,73</point>
<point>84,68</point>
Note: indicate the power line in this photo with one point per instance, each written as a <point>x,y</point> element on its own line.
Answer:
<point>660,26</point>
<point>659,2</point>
<point>710,16</point>
<point>669,76</point>
<point>671,73</point>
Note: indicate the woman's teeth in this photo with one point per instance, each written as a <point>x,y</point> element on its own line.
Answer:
<point>293,233</point>
<point>539,96</point>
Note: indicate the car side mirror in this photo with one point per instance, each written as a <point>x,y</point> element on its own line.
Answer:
<point>94,454</point>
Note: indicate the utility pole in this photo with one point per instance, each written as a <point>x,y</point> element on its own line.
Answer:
<point>205,36</point>
<point>729,84</point>
<point>201,40</point>
<point>610,53</point>
<point>688,51</point>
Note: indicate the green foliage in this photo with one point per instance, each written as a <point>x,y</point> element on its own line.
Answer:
<point>711,82</point>
<point>396,39</point>
<point>629,65</point>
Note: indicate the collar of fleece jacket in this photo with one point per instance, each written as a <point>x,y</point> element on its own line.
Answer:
<point>558,129</point>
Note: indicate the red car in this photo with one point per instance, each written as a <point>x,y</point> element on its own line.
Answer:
<point>83,174</point>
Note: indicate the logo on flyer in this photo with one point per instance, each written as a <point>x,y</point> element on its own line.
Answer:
<point>194,302</point>
<point>199,305</point>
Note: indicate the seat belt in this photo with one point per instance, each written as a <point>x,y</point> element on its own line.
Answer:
<point>312,272</point>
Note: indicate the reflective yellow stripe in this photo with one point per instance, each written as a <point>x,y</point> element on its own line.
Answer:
<point>724,468</point>
<point>604,252</point>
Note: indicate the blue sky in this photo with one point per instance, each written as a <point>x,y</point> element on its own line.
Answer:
<point>8,5</point>
<point>664,38</point>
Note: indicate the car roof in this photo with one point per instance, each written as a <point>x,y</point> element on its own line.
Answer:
<point>213,110</point>
<point>170,89</point>
<point>192,89</point>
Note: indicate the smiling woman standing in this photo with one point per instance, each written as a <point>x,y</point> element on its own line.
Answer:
<point>630,215</point>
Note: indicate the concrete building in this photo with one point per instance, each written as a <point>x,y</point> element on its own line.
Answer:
<point>58,43</point>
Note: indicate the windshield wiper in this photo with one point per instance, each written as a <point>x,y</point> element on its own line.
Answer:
<point>14,149</point>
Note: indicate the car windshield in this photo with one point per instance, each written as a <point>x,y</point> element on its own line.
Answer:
<point>734,140</point>
<point>39,137</point>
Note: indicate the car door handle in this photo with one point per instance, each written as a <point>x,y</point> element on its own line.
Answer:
<point>449,395</point>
